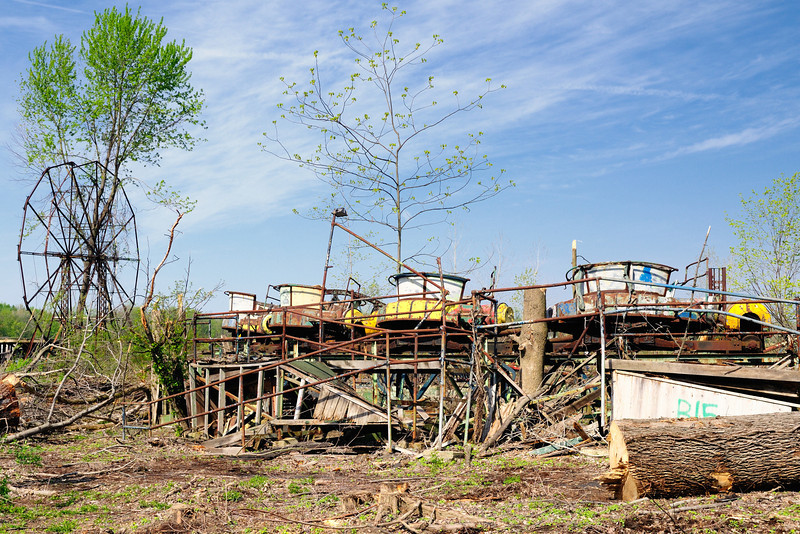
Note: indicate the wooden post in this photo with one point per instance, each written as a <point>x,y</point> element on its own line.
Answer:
<point>193,395</point>
<point>259,394</point>
<point>221,403</point>
<point>300,394</point>
<point>279,389</point>
<point>156,403</point>
<point>240,400</point>
<point>206,400</point>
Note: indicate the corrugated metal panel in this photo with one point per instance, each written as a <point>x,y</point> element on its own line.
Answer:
<point>637,396</point>
<point>316,369</point>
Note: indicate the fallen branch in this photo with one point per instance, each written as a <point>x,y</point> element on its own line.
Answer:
<point>312,523</point>
<point>48,426</point>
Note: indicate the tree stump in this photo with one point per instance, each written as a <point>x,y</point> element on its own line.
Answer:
<point>677,457</point>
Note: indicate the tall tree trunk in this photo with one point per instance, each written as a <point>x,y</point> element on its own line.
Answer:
<point>532,340</point>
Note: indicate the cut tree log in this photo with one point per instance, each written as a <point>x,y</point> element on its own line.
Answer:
<point>677,457</point>
<point>9,405</point>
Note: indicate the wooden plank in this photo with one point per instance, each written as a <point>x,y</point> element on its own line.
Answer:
<point>220,404</point>
<point>636,396</point>
<point>339,390</point>
<point>322,402</point>
<point>259,394</point>
<point>332,407</point>
<point>206,402</point>
<point>698,369</point>
<point>341,409</point>
<point>358,414</point>
<point>193,397</point>
<point>579,404</point>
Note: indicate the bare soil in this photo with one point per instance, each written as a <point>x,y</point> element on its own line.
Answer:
<point>95,482</point>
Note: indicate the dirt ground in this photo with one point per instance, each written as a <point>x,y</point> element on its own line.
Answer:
<point>95,482</point>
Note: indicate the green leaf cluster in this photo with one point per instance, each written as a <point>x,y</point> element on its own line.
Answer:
<point>766,258</point>
<point>122,96</point>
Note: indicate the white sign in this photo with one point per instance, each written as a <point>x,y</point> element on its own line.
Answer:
<point>637,396</point>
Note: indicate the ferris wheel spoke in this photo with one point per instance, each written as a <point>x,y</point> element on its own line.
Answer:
<point>77,224</point>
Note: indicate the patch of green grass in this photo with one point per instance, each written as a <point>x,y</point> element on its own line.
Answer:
<point>25,455</point>
<point>68,525</point>
<point>12,527</point>
<point>513,479</point>
<point>233,496</point>
<point>21,512</point>
<point>5,491</point>
<point>329,500</point>
<point>64,500</point>
<point>257,481</point>
<point>298,486</point>
<point>791,511</point>
<point>158,505</point>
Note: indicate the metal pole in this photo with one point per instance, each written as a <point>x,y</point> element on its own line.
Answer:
<point>414,384</point>
<point>473,352</point>
<point>442,370</point>
<point>338,212</point>
<point>602,361</point>
<point>388,399</point>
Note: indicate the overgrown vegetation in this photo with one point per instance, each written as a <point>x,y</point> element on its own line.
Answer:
<point>766,257</point>
<point>14,321</point>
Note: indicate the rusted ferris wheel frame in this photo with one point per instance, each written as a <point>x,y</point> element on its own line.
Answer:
<point>78,249</point>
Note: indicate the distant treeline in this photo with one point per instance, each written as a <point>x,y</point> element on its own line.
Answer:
<point>14,321</point>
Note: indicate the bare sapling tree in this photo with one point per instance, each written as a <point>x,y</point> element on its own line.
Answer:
<point>383,146</point>
<point>162,333</point>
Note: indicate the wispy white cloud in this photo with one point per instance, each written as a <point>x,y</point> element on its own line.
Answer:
<point>641,91</point>
<point>740,138</point>
<point>49,6</point>
<point>24,23</point>
<point>596,91</point>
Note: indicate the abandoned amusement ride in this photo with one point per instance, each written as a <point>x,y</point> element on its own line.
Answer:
<point>433,363</point>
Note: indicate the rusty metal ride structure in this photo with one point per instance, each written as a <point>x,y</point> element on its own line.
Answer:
<point>78,248</point>
<point>319,359</point>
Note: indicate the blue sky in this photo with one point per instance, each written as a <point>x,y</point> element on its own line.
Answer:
<point>629,126</point>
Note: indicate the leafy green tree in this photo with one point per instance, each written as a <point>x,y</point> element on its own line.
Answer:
<point>15,321</point>
<point>766,259</point>
<point>122,97</point>
<point>130,98</point>
<point>381,148</point>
